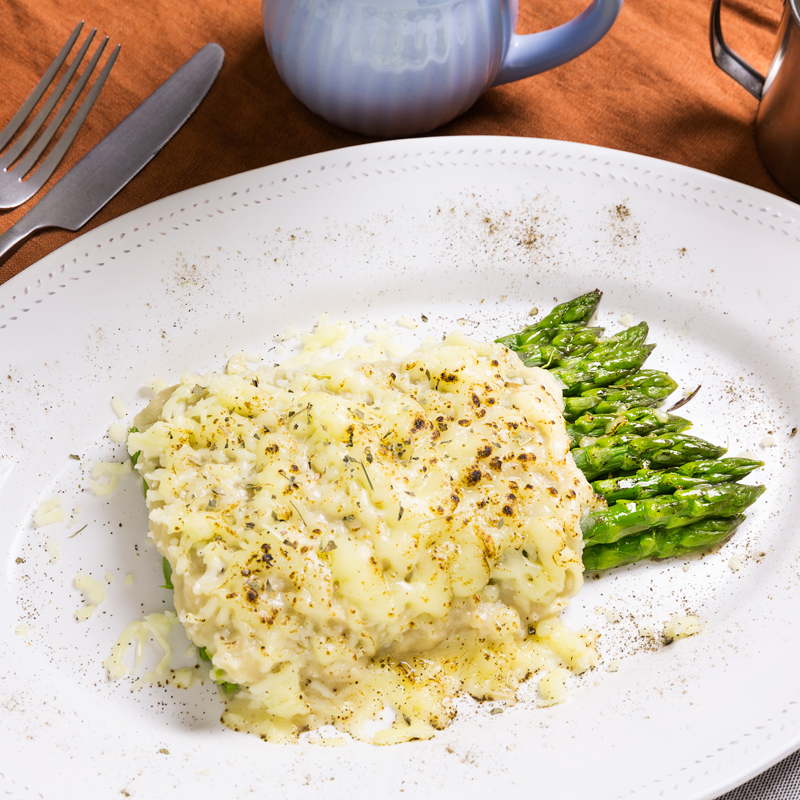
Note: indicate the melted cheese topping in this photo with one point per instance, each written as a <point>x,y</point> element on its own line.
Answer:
<point>355,540</point>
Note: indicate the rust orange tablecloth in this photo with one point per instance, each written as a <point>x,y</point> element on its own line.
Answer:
<point>649,87</point>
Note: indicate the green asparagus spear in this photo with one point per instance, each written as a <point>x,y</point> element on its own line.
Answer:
<point>652,382</point>
<point>569,341</point>
<point>578,311</point>
<point>640,421</point>
<point>529,337</point>
<point>661,543</point>
<point>587,373</point>
<point>572,335</point>
<point>642,452</point>
<point>629,337</point>
<point>562,336</point>
<point>648,483</point>
<point>684,507</point>
<point>645,388</point>
<point>571,346</point>
<point>606,401</point>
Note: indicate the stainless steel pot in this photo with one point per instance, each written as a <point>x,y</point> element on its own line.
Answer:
<point>778,117</point>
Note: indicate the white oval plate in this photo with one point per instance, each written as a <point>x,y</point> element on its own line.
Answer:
<point>472,233</point>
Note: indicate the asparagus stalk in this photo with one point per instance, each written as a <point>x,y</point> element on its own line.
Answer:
<point>609,455</point>
<point>648,483</point>
<point>607,400</point>
<point>580,375</point>
<point>578,312</point>
<point>652,382</point>
<point>629,337</point>
<point>640,421</point>
<point>643,389</point>
<point>684,507</point>
<point>568,341</point>
<point>661,543</point>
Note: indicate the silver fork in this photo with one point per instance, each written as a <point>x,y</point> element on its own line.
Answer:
<point>14,166</point>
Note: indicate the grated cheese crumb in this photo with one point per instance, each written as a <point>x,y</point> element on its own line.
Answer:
<point>613,665</point>
<point>767,441</point>
<point>238,362</point>
<point>93,590</point>
<point>735,563</point>
<point>74,517</point>
<point>129,579</point>
<point>626,320</point>
<point>553,687</point>
<point>118,407</point>
<point>21,629</point>
<point>49,512</point>
<point>612,615</point>
<point>290,333</point>
<point>679,627</point>
<point>84,613</point>
<point>51,545</point>
<point>117,432</point>
<point>184,678</point>
<point>104,476</point>
<point>749,454</point>
<point>155,385</point>
<point>154,625</point>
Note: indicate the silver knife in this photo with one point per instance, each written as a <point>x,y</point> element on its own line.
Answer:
<point>112,162</point>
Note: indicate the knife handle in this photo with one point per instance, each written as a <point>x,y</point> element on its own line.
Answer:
<point>16,235</point>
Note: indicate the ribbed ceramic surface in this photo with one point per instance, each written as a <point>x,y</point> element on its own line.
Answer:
<point>388,69</point>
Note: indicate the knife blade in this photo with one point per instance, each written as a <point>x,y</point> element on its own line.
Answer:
<point>117,158</point>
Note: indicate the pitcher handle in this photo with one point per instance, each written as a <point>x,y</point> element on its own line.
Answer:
<point>732,63</point>
<point>537,52</point>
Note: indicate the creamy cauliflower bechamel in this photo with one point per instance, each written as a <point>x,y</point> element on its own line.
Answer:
<point>354,539</point>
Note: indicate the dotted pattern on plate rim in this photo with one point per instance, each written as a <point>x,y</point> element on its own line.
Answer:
<point>585,165</point>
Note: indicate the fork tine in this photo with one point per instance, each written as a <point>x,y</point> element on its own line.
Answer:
<point>33,154</point>
<point>16,121</point>
<point>27,135</point>
<point>48,166</point>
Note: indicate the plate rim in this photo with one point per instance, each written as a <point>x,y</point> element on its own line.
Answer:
<point>744,201</point>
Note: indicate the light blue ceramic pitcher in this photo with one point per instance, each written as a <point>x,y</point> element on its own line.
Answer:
<point>392,68</point>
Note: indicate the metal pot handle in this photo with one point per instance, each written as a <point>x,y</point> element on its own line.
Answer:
<point>732,63</point>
